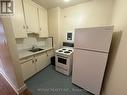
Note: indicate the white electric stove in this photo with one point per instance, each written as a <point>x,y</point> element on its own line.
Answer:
<point>64,59</point>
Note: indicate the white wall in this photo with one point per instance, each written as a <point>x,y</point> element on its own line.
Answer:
<point>54,25</point>
<point>89,14</point>
<point>116,78</point>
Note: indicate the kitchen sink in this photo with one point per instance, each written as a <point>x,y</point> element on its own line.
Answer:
<point>36,50</point>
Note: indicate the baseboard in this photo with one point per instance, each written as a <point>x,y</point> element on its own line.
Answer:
<point>22,89</point>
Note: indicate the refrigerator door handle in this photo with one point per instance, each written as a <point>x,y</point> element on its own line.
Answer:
<point>92,50</point>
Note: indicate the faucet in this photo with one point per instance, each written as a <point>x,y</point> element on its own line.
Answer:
<point>34,46</point>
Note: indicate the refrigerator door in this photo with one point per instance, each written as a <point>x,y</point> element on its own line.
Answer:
<point>88,70</point>
<point>96,39</point>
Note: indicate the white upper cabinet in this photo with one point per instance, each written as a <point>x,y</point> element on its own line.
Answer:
<point>18,21</point>
<point>31,16</point>
<point>43,30</point>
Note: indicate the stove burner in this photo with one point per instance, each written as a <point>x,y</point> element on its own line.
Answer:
<point>66,52</point>
<point>60,51</point>
<point>63,49</point>
<point>70,50</point>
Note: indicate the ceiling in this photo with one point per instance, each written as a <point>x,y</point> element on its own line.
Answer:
<point>58,3</point>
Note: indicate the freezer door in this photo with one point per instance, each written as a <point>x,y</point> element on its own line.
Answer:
<point>88,70</point>
<point>98,39</point>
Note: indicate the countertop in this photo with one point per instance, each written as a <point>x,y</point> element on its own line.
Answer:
<point>25,53</point>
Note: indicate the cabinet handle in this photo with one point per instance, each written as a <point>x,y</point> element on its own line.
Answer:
<point>40,29</point>
<point>24,27</point>
<point>32,61</point>
<point>27,27</point>
<point>47,53</point>
<point>36,60</point>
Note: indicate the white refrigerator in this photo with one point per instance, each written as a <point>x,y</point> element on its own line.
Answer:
<point>91,49</point>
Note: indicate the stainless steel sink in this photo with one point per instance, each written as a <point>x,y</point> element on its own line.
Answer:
<point>36,50</point>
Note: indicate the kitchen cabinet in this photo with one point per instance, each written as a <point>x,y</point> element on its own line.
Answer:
<point>41,61</point>
<point>31,16</point>
<point>28,68</point>
<point>32,65</point>
<point>42,14</point>
<point>18,21</point>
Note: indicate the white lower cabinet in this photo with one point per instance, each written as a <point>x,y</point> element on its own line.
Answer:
<point>32,65</point>
<point>41,61</point>
<point>28,68</point>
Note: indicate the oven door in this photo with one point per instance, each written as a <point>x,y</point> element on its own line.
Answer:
<point>61,61</point>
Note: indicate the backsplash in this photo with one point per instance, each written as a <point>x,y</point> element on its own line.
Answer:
<point>27,43</point>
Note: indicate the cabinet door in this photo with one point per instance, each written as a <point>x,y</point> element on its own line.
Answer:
<point>28,69</point>
<point>41,61</point>
<point>31,16</point>
<point>42,13</point>
<point>18,21</point>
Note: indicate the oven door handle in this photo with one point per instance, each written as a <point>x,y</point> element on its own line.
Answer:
<point>61,57</point>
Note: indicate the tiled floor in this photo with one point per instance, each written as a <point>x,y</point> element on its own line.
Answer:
<point>50,82</point>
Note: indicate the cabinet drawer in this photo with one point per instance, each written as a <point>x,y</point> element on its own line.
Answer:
<point>26,59</point>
